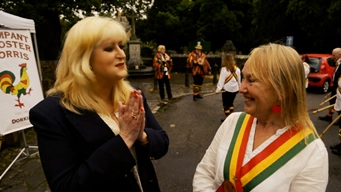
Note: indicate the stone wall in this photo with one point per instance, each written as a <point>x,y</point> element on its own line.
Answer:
<point>240,60</point>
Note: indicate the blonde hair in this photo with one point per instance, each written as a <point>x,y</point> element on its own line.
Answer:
<point>73,74</point>
<point>160,47</point>
<point>282,67</point>
<point>229,62</point>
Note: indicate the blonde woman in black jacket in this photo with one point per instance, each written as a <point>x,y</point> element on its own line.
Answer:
<point>95,131</point>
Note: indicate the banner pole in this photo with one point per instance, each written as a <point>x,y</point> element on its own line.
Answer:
<point>22,151</point>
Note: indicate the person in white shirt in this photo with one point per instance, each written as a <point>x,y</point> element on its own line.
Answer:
<point>273,145</point>
<point>336,149</point>
<point>337,73</point>
<point>306,66</point>
<point>229,83</point>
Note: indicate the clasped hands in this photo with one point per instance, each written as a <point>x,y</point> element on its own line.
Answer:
<point>132,119</point>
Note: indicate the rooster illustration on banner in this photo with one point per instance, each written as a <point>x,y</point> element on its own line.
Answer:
<point>7,79</point>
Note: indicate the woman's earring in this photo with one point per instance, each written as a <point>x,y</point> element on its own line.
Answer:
<point>90,67</point>
<point>276,108</point>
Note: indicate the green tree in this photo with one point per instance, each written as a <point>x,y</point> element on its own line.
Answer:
<point>225,20</point>
<point>177,22</point>
<point>319,22</point>
<point>168,23</point>
<point>46,20</point>
<point>49,14</point>
<point>245,12</point>
<point>271,23</point>
<point>313,23</point>
<point>216,23</point>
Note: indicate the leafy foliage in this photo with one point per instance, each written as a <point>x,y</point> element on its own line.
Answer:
<point>51,16</point>
<point>215,21</point>
<point>174,23</point>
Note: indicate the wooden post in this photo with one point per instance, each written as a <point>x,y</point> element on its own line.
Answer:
<point>329,126</point>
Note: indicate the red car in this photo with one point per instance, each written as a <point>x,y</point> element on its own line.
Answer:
<point>322,67</point>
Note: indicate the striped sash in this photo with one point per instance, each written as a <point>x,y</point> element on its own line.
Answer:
<point>264,164</point>
<point>231,75</point>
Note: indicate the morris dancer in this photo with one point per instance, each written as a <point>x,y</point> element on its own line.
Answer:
<point>199,65</point>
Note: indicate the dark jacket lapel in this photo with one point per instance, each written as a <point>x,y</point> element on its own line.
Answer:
<point>90,126</point>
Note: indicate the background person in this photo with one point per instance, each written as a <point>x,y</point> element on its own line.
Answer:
<point>162,64</point>
<point>336,149</point>
<point>96,132</point>
<point>229,82</point>
<point>199,66</point>
<point>306,66</point>
<point>273,145</point>
<point>337,59</point>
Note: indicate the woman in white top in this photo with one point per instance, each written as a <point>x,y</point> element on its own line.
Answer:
<point>229,82</point>
<point>306,66</point>
<point>273,145</point>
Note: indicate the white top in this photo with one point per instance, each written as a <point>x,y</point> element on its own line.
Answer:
<point>306,72</point>
<point>307,171</point>
<point>337,105</point>
<point>337,67</point>
<point>165,69</point>
<point>231,86</point>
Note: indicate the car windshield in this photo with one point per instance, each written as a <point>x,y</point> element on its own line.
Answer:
<point>314,64</point>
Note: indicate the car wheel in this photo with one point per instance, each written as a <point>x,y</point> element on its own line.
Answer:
<point>325,87</point>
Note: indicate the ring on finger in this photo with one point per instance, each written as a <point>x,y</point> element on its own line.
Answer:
<point>134,116</point>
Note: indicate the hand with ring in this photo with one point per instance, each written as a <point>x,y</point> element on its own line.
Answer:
<point>134,116</point>
<point>132,119</point>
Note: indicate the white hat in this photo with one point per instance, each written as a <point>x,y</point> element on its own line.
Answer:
<point>198,46</point>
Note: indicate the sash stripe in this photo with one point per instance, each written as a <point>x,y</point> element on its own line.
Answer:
<point>268,161</point>
<point>242,151</point>
<point>279,163</point>
<point>235,153</point>
<point>267,151</point>
<point>233,142</point>
<point>235,76</point>
<point>231,75</point>
<point>272,157</point>
<point>228,78</point>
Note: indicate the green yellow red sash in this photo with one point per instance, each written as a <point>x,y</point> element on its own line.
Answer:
<point>266,162</point>
<point>228,78</point>
<point>231,75</point>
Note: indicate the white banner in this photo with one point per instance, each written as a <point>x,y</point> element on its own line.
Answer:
<point>19,80</point>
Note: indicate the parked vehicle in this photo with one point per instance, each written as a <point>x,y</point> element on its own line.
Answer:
<point>322,67</point>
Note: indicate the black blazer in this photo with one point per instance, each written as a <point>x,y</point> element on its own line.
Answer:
<point>81,153</point>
